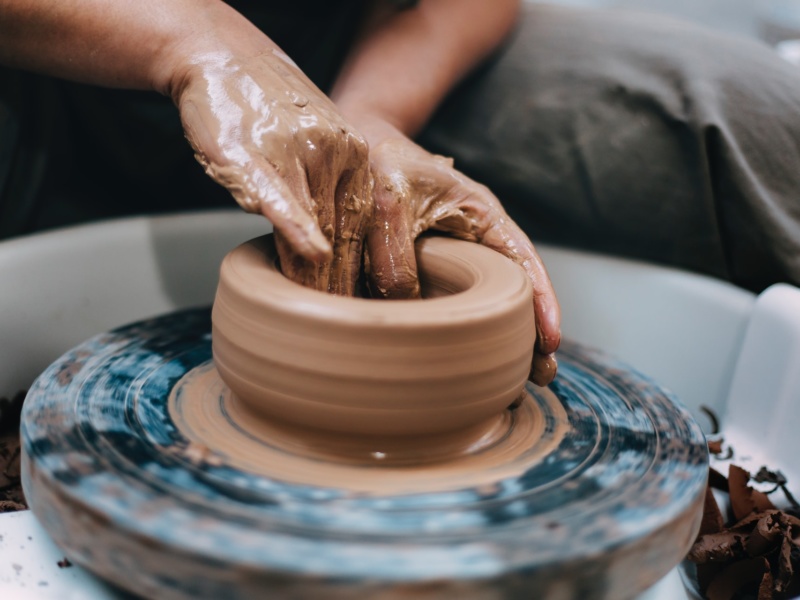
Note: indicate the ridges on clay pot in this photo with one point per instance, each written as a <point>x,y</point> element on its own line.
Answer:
<point>376,368</point>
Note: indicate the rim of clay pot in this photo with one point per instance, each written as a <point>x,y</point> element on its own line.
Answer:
<point>470,281</point>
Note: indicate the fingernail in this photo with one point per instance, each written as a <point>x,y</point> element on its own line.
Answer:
<point>543,369</point>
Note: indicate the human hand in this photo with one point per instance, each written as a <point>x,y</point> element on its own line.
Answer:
<point>265,132</point>
<point>415,191</point>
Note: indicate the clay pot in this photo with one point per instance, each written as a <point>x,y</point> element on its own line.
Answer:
<point>376,367</point>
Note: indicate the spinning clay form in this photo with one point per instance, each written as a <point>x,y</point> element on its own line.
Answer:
<point>377,367</point>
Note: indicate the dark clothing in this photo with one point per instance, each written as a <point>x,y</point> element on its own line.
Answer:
<point>619,132</point>
<point>639,135</point>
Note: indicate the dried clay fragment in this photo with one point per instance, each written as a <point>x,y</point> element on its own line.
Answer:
<point>717,480</point>
<point>744,499</point>
<point>766,535</point>
<point>751,572</point>
<point>785,568</point>
<point>720,547</point>
<point>712,522</point>
<point>10,506</point>
<point>715,448</point>
<point>758,554</point>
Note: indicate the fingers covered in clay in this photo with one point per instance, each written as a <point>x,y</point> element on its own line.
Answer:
<point>338,183</point>
<point>415,191</point>
<point>260,128</point>
<point>390,241</point>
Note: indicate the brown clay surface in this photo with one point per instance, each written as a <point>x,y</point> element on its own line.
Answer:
<point>11,495</point>
<point>312,388</point>
<point>377,368</point>
<point>223,430</point>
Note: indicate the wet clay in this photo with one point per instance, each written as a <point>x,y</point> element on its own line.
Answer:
<point>416,191</point>
<point>265,132</point>
<point>219,425</point>
<point>447,365</point>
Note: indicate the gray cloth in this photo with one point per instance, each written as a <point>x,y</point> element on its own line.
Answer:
<point>731,16</point>
<point>638,135</point>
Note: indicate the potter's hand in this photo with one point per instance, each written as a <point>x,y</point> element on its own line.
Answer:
<point>400,69</point>
<point>256,122</point>
<point>260,128</point>
<point>414,191</point>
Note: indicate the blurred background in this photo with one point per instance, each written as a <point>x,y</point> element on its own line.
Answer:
<point>776,22</point>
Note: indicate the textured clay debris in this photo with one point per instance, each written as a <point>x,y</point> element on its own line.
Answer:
<point>755,552</point>
<point>11,496</point>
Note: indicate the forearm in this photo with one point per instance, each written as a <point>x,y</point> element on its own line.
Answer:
<point>136,45</point>
<point>404,66</point>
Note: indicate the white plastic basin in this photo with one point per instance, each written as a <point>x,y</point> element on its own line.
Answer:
<point>710,342</point>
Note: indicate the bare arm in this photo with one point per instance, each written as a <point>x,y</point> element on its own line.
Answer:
<point>137,45</point>
<point>406,63</point>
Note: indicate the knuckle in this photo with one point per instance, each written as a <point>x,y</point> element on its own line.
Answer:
<point>395,286</point>
<point>359,145</point>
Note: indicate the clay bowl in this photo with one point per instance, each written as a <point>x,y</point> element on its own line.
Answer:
<point>355,366</point>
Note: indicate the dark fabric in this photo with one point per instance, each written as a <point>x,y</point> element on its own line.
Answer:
<point>27,112</point>
<point>640,136</point>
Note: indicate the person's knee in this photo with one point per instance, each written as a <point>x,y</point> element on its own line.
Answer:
<point>631,133</point>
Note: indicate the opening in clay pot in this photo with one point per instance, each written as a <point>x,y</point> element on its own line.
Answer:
<point>376,368</point>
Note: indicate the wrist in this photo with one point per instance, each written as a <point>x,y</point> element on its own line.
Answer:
<point>374,126</point>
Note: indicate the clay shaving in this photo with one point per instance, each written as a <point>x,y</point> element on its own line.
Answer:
<point>11,496</point>
<point>754,550</point>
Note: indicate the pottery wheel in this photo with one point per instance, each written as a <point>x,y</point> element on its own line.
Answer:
<point>593,487</point>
